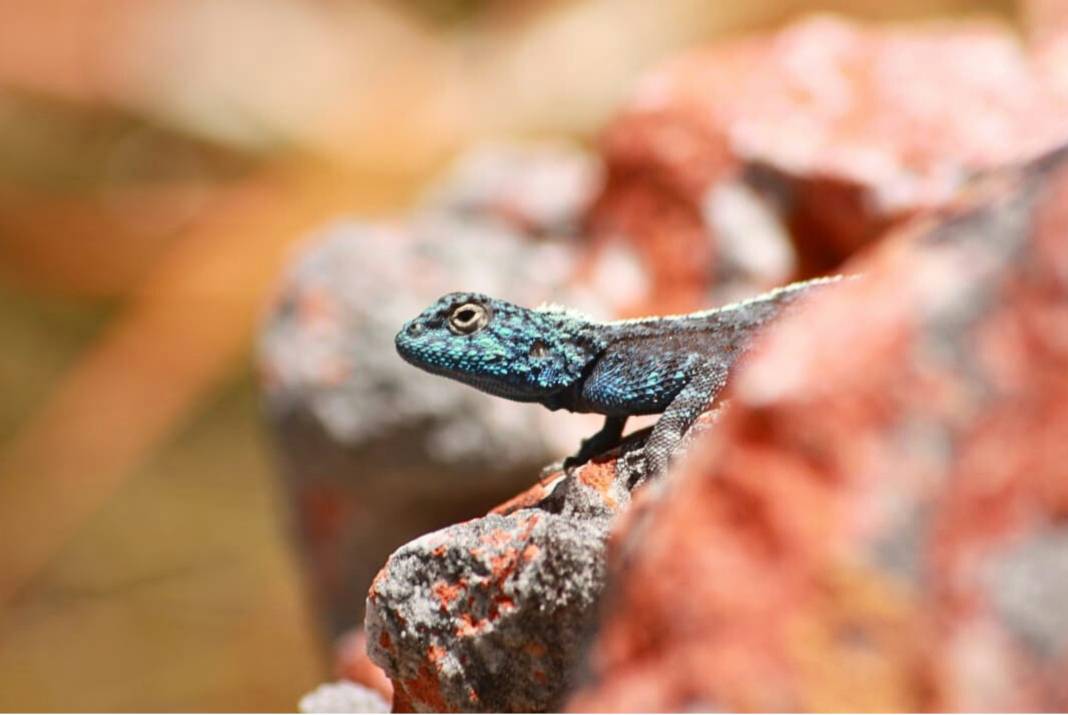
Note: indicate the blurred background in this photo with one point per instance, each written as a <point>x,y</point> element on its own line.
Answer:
<point>163,165</point>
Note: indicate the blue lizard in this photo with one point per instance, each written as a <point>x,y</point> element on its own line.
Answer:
<point>674,364</point>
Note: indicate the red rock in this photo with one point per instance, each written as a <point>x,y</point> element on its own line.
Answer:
<point>1047,25</point>
<point>879,521</point>
<point>844,129</point>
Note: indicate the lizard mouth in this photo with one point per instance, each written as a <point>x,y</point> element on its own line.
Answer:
<point>503,389</point>
<point>489,385</point>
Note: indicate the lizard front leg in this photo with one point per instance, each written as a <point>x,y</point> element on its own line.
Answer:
<point>680,414</point>
<point>604,440</point>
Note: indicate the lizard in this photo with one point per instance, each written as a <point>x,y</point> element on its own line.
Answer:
<point>672,365</point>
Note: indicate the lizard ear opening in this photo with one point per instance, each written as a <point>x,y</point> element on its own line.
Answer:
<point>538,349</point>
<point>468,318</point>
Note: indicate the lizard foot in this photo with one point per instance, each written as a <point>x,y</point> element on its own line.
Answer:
<point>604,440</point>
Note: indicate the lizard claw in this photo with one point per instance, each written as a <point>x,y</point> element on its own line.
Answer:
<point>587,452</point>
<point>575,460</point>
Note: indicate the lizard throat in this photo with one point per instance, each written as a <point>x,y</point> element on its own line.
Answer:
<point>489,385</point>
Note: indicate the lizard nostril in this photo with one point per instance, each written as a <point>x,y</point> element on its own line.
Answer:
<point>415,329</point>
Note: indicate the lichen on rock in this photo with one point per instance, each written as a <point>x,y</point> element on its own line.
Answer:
<point>488,615</point>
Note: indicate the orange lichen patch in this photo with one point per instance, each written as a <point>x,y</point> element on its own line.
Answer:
<point>528,527</point>
<point>384,640</point>
<point>540,676</point>
<point>470,626</point>
<point>501,537</point>
<point>500,604</point>
<point>504,559</point>
<point>472,696</point>
<point>435,653</point>
<point>440,551</point>
<point>447,593</point>
<point>425,689</point>
<point>497,537</point>
<point>599,476</point>
<point>502,565</point>
<point>372,593</point>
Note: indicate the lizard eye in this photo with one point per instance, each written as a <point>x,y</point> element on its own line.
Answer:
<point>468,318</point>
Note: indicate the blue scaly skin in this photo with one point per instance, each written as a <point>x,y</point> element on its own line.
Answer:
<point>674,365</point>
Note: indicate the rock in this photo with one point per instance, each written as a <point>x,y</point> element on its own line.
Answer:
<point>541,190</point>
<point>815,140</point>
<point>879,521</point>
<point>491,615</point>
<point>374,452</point>
<point>343,697</point>
<point>856,534</point>
<point>1046,24</point>
<point>488,616</point>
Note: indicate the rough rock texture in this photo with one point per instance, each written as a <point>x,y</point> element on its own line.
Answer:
<point>880,519</point>
<point>826,132</point>
<point>492,614</point>
<point>485,615</point>
<point>374,452</point>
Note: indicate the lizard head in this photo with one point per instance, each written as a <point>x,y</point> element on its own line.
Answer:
<point>498,347</point>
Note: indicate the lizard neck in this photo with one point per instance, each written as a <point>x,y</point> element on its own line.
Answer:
<point>561,355</point>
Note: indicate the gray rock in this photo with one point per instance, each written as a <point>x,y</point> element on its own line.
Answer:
<point>343,697</point>
<point>541,189</point>
<point>493,614</point>
<point>1028,581</point>
<point>490,615</point>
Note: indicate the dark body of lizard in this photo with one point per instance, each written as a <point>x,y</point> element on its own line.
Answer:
<point>673,364</point>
